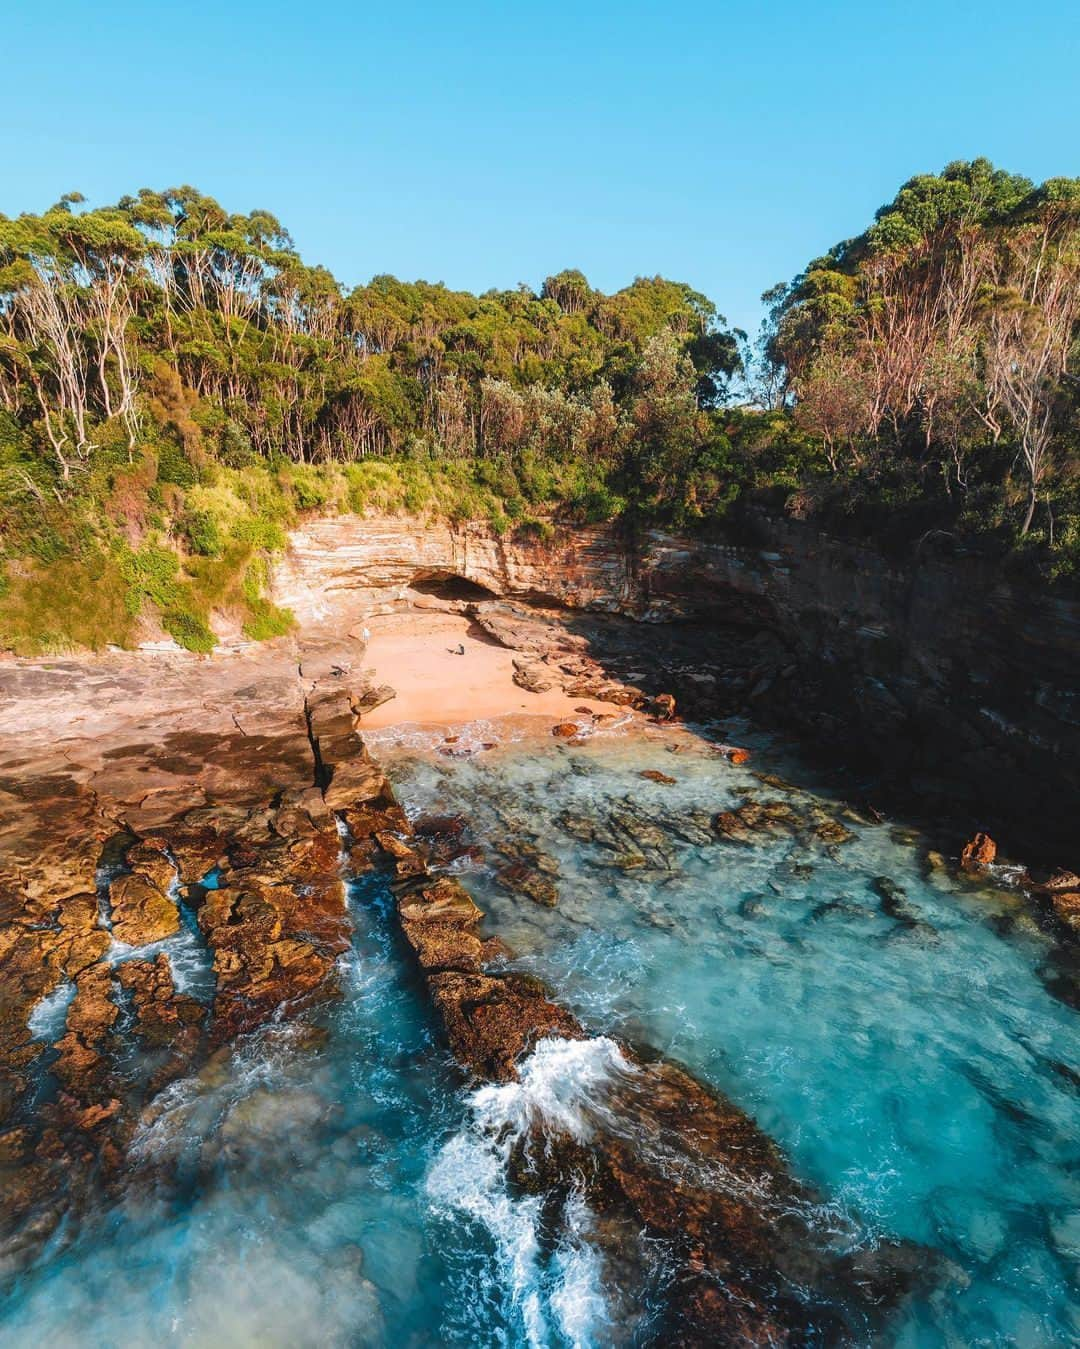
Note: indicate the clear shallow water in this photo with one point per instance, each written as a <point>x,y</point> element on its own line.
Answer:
<point>352,1193</point>
<point>915,1068</point>
<point>284,1197</point>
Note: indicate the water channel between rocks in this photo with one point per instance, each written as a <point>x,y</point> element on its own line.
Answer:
<point>891,1024</point>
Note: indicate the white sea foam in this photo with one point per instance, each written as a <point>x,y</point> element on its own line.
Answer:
<point>561,1085</point>
<point>46,1021</point>
<point>561,1089</point>
<point>578,1303</point>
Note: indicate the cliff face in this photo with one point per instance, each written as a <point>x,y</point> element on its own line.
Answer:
<point>938,674</point>
<point>349,565</point>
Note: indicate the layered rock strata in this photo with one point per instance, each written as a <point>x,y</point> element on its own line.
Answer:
<point>954,684</point>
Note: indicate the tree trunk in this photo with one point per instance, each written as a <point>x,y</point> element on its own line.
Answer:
<point>1030,513</point>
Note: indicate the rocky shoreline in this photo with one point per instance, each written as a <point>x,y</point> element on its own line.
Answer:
<point>252,831</point>
<point>151,795</point>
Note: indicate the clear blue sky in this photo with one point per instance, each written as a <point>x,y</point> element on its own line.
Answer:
<point>486,144</point>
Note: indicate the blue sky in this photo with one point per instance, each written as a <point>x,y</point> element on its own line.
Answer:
<point>484,144</point>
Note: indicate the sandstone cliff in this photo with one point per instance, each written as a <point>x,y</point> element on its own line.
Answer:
<point>956,685</point>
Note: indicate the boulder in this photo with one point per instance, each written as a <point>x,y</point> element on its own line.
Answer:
<point>371,698</point>
<point>978,852</point>
<point>532,678</point>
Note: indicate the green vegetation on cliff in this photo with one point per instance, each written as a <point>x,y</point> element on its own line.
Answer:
<point>935,360</point>
<point>177,387</point>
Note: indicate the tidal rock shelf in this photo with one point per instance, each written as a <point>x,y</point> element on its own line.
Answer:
<point>195,826</point>
<point>228,829</point>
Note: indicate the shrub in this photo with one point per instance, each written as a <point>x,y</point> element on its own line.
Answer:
<point>175,467</point>
<point>189,630</point>
<point>201,532</point>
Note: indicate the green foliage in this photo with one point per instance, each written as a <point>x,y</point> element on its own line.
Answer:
<point>265,619</point>
<point>151,573</point>
<point>188,630</point>
<point>222,388</point>
<point>201,532</point>
<point>174,467</point>
<point>933,366</point>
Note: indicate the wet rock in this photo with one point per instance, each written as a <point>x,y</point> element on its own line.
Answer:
<point>442,839</point>
<point>978,852</point>
<point>1066,906</point>
<point>443,901</point>
<point>729,824</point>
<point>895,905</point>
<point>662,707</point>
<point>654,775</point>
<point>82,1064</point>
<point>580,826</point>
<point>689,1167</point>
<point>165,1019</point>
<point>1058,880</point>
<point>751,818</point>
<point>529,881</point>
<point>493,1021</point>
<point>735,754</point>
<point>445,946</point>
<point>833,833</point>
<point>141,911</point>
<point>565,730</point>
<point>437,826</point>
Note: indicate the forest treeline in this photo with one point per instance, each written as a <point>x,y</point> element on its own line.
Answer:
<point>177,384</point>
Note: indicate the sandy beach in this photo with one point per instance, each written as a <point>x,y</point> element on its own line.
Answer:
<point>446,671</point>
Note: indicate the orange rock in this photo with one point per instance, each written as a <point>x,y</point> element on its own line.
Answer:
<point>663,706</point>
<point>978,852</point>
<point>734,754</point>
<point>565,730</point>
<point>1066,904</point>
<point>141,912</point>
<point>654,775</point>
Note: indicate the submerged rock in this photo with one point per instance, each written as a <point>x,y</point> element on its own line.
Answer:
<point>833,833</point>
<point>530,881</point>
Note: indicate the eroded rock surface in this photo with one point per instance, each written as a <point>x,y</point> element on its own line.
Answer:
<point>133,790</point>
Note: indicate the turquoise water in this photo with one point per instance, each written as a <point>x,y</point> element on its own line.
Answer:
<point>280,1198</point>
<point>914,1067</point>
<point>906,1054</point>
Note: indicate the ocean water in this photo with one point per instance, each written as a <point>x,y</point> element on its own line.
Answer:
<point>901,1044</point>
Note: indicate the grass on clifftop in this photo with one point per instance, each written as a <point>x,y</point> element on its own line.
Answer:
<point>176,542</point>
